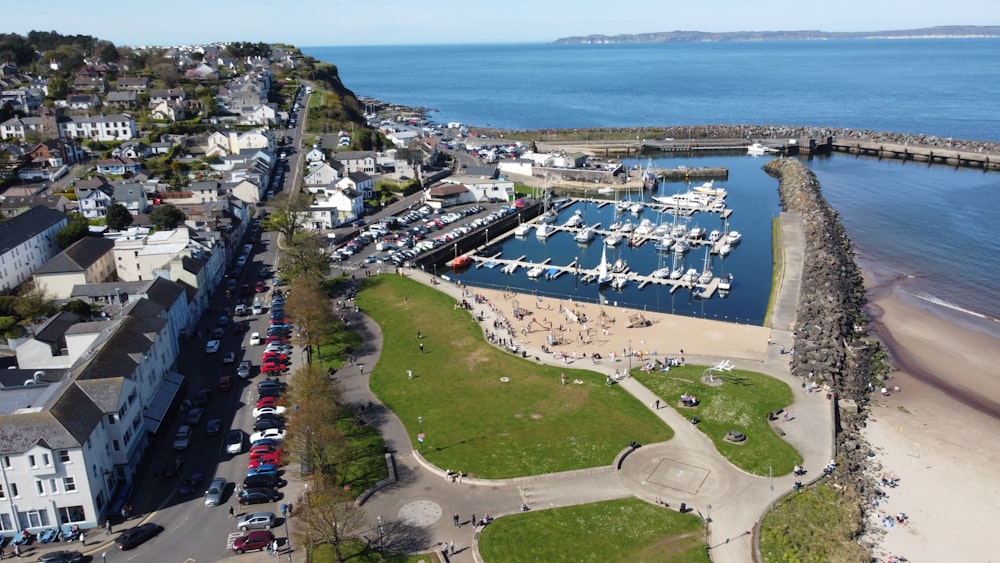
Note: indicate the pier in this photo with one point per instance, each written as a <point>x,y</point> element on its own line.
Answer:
<point>930,155</point>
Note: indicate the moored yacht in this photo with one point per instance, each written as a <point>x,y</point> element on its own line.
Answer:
<point>586,234</point>
<point>734,237</point>
<point>544,230</point>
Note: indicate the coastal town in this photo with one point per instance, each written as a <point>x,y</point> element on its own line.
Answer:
<point>211,254</point>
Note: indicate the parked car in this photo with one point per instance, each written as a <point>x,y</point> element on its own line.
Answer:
<point>182,440</point>
<point>255,338</point>
<point>213,427</point>
<point>193,416</point>
<point>262,480</point>
<point>268,410</point>
<point>212,346</point>
<point>216,491</point>
<point>255,540</point>
<point>258,495</point>
<point>62,557</point>
<point>134,537</point>
<point>266,402</point>
<point>203,397</point>
<point>234,442</point>
<point>266,423</point>
<point>271,433</point>
<point>257,309</point>
<point>260,287</point>
<point>271,367</point>
<point>225,383</point>
<point>256,521</point>
<point>173,466</point>
<point>244,369</point>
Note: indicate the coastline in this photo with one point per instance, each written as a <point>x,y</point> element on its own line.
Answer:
<point>936,433</point>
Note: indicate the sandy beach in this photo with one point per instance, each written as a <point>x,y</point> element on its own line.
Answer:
<point>938,433</point>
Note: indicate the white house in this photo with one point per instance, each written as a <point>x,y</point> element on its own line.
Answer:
<point>333,208</point>
<point>94,202</point>
<point>88,260</point>
<point>359,182</point>
<point>321,175</point>
<point>356,161</point>
<point>485,189</point>
<point>315,155</point>
<point>28,241</point>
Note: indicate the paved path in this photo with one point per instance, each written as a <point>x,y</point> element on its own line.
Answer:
<point>686,469</point>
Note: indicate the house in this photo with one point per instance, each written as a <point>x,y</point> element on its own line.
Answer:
<point>356,161</point>
<point>360,182</point>
<point>133,197</point>
<point>28,241</point>
<point>82,101</point>
<point>260,114</point>
<point>322,175</point>
<point>315,155</point>
<point>132,83</point>
<point>14,205</point>
<point>118,127</point>
<point>333,208</point>
<point>88,260</point>
<point>118,166</point>
<point>201,72</point>
<point>485,188</point>
<point>246,190</point>
<point>206,192</point>
<point>89,84</point>
<point>136,150</point>
<point>94,202</point>
<point>168,111</point>
<point>123,99</point>
<point>448,195</point>
<point>170,95</point>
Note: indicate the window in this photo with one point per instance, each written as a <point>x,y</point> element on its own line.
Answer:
<point>69,484</point>
<point>40,486</point>
<point>13,490</point>
<point>46,460</point>
<point>6,461</point>
<point>127,436</point>
<point>115,444</point>
<point>2,494</point>
<point>111,418</point>
<point>33,518</point>
<point>5,523</point>
<point>31,461</point>
<point>53,487</point>
<point>64,456</point>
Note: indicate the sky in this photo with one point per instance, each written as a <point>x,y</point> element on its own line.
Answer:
<point>411,22</point>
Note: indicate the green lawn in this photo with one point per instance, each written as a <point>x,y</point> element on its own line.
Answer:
<point>818,523</point>
<point>619,530</point>
<point>473,421</point>
<point>740,403</point>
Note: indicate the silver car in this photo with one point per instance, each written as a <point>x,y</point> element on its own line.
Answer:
<point>256,521</point>
<point>213,496</point>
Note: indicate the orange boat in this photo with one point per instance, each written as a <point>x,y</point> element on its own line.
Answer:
<point>461,262</point>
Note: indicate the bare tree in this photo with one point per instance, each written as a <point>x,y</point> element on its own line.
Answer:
<point>330,516</point>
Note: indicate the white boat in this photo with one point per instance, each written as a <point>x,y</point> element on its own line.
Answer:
<point>708,188</point>
<point>615,226</point>
<point>614,239</point>
<point>678,231</point>
<point>586,234</point>
<point>628,226</point>
<point>696,233</point>
<point>706,276</point>
<point>686,200</point>
<point>690,276</point>
<point>548,217</point>
<point>636,208</point>
<point>603,275</point>
<point>522,230</point>
<point>664,243</point>
<point>619,282</point>
<point>645,227</point>
<point>588,279</point>
<point>681,246</point>
<point>757,149</point>
<point>619,267</point>
<point>606,191</point>
<point>660,273</point>
<point>725,249</point>
<point>544,230</point>
<point>575,220</point>
<point>734,237</point>
<point>726,282</point>
<point>662,229</point>
<point>714,235</point>
<point>622,205</point>
<point>676,273</point>
<point>536,272</point>
<point>509,268</point>
<point>649,179</point>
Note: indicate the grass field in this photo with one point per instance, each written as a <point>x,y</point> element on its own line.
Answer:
<point>619,530</point>
<point>818,523</point>
<point>473,420</point>
<point>741,403</point>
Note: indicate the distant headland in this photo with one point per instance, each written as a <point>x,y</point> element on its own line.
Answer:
<point>940,32</point>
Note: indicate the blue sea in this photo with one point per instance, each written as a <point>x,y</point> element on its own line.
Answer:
<point>935,227</point>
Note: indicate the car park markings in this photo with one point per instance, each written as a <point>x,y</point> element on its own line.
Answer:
<point>231,538</point>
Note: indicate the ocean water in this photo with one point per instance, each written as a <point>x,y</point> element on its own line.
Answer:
<point>935,227</point>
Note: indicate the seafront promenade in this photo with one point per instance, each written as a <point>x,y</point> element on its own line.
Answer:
<point>424,495</point>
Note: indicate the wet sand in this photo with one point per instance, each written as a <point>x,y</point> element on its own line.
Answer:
<point>938,433</point>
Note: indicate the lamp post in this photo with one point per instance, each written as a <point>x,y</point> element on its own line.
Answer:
<point>630,356</point>
<point>420,432</point>
<point>381,532</point>
<point>708,518</point>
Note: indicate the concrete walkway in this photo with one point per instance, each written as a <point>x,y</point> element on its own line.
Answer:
<point>686,469</point>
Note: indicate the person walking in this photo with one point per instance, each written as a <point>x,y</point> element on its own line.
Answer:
<point>232,511</point>
<point>83,538</point>
<point>456,520</point>
<point>17,550</point>
<point>473,519</point>
<point>107,527</point>
<point>274,548</point>
<point>451,546</point>
<point>657,404</point>
<point>409,373</point>
<point>421,347</point>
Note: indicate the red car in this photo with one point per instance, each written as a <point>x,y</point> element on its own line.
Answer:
<point>267,402</point>
<point>275,338</point>
<point>267,459</point>
<point>225,383</point>
<point>245,289</point>
<point>271,367</point>
<point>257,539</point>
<point>260,287</point>
<point>264,449</point>
<point>274,356</point>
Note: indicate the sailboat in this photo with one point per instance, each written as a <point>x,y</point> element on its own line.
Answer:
<point>603,275</point>
<point>649,179</point>
<point>706,275</point>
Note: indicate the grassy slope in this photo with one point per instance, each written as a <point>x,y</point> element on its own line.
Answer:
<point>474,422</point>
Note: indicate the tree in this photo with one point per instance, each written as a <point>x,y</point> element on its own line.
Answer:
<point>77,306</point>
<point>166,217</point>
<point>76,230</point>
<point>304,306</point>
<point>306,257</point>
<point>331,517</point>
<point>33,304</point>
<point>9,328</point>
<point>106,51</point>
<point>118,217</point>
<point>287,216</point>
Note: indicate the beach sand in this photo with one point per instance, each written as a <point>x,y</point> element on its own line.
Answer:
<point>938,433</point>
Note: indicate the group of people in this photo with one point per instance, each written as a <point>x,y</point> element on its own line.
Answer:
<point>689,400</point>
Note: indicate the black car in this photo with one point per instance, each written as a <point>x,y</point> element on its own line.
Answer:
<point>133,537</point>
<point>266,423</point>
<point>62,557</point>
<point>259,495</point>
<point>271,383</point>
<point>268,392</point>
<point>173,466</point>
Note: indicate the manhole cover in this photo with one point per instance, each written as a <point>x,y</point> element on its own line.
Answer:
<point>420,512</point>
